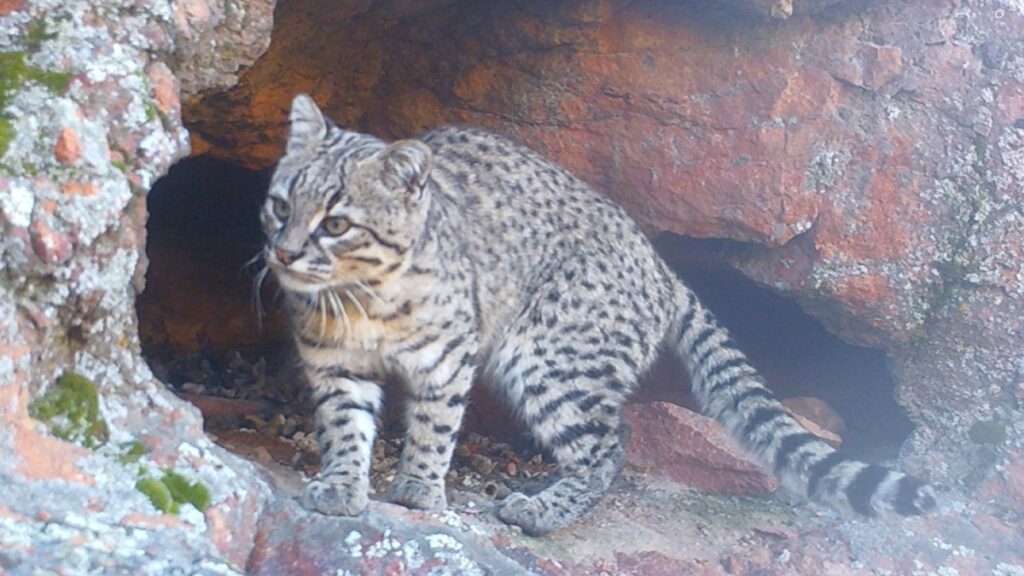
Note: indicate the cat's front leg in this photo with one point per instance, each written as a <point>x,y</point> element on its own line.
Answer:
<point>346,411</point>
<point>437,400</point>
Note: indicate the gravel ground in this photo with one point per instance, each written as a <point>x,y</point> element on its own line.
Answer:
<point>253,402</point>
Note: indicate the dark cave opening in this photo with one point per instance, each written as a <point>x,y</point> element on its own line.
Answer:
<point>201,334</point>
<point>798,357</point>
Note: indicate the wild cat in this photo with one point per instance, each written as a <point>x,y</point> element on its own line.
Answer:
<point>461,254</point>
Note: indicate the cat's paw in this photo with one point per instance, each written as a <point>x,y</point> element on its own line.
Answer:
<point>524,511</point>
<point>416,493</point>
<point>334,499</point>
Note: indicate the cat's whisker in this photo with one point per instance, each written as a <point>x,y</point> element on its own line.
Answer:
<point>344,314</point>
<point>256,258</point>
<point>257,295</point>
<point>321,304</point>
<point>358,304</point>
<point>369,291</point>
<point>332,299</point>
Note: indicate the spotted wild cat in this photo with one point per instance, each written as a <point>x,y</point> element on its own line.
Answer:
<point>433,260</point>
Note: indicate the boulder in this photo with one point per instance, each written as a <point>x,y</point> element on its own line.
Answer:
<point>691,449</point>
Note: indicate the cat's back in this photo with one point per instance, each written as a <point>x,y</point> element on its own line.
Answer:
<point>521,218</point>
<point>512,190</point>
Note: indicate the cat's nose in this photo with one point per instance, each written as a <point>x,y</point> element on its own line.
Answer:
<point>286,257</point>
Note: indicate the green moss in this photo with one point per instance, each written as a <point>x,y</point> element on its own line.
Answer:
<point>6,134</point>
<point>37,34</point>
<point>131,452</point>
<point>15,72</point>
<point>71,409</point>
<point>987,432</point>
<point>172,490</point>
<point>158,494</point>
<point>195,493</point>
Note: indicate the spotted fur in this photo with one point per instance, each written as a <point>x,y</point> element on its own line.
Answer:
<point>459,253</point>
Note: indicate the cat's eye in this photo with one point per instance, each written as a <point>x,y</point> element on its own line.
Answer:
<point>335,225</point>
<point>281,208</point>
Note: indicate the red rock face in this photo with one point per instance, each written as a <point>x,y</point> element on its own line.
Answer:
<point>688,448</point>
<point>866,156</point>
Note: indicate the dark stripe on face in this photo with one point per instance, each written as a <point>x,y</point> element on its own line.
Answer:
<point>365,260</point>
<point>863,487</point>
<point>390,245</point>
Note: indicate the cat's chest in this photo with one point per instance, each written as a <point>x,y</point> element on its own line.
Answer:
<point>359,322</point>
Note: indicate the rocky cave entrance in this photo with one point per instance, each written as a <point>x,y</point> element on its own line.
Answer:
<point>201,335</point>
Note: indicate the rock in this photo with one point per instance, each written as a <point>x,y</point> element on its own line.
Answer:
<point>216,39</point>
<point>83,136</point>
<point>220,407</point>
<point>386,539</point>
<point>674,442</point>
<point>818,417</point>
<point>51,247</point>
<point>67,150</point>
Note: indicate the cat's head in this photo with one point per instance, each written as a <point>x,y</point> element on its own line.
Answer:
<point>342,207</point>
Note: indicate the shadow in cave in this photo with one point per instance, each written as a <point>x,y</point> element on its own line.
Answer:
<point>798,357</point>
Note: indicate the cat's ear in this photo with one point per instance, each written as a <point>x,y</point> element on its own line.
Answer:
<point>308,125</point>
<point>407,165</point>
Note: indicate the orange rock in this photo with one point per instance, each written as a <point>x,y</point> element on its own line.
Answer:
<point>165,88</point>
<point>882,64</point>
<point>68,149</point>
<point>232,526</point>
<point>828,436</point>
<point>686,447</point>
<point>83,189</point>
<point>8,6</point>
<point>9,514</point>
<point>219,407</point>
<point>40,456</point>
<point>50,246</point>
<point>817,411</point>
<point>139,520</point>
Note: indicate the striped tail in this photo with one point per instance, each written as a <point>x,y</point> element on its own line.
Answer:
<point>728,389</point>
